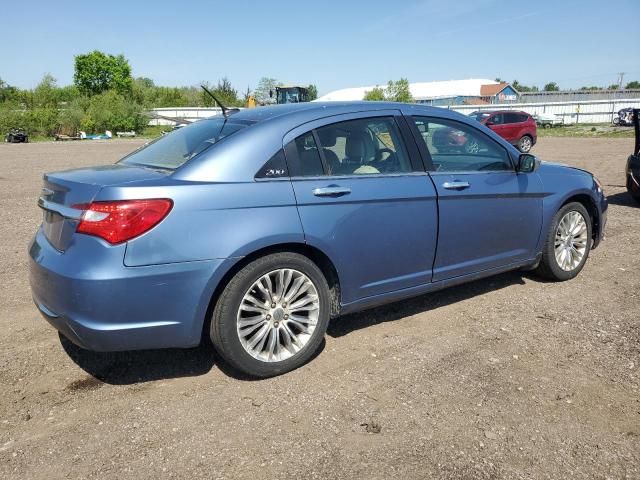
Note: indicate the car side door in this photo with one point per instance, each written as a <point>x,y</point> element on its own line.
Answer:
<point>365,200</point>
<point>496,123</point>
<point>490,216</point>
<point>512,127</point>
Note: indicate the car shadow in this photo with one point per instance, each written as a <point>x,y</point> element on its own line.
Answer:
<point>126,368</point>
<point>405,308</point>
<point>623,199</point>
<point>140,366</point>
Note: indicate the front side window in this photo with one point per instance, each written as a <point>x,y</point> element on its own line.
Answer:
<point>456,147</point>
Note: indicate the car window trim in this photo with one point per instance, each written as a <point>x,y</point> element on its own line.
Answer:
<point>438,119</point>
<point>320,148</point>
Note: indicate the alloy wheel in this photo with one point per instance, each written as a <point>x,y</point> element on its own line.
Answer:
<point>278,315</point>
<point>571,241</point>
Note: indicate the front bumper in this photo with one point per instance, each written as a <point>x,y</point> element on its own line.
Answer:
<point>94,300</point>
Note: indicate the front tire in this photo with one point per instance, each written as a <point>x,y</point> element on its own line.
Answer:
<point>632,188</point>
<point>568,243</point>
<point>525,144</point>
<point>272,316</point>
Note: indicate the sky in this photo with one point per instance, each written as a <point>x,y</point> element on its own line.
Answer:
<point>333,44</point>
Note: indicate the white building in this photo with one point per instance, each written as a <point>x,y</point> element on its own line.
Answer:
<point>473,91</point>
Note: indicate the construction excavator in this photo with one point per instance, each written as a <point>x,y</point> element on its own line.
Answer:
<point>283,94</point>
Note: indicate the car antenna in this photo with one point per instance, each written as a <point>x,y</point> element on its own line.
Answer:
<point>226,111</point>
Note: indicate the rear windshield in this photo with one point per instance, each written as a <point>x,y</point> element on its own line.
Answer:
<point>178,147</point>
<point>479,116</point>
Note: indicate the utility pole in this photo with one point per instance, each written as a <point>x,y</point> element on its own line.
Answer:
<point>620,79</point>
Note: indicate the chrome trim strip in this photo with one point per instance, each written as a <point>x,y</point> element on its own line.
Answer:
<point>67,212</point>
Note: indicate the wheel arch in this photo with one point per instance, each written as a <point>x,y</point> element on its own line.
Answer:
<point>313,253</point>
<point>589,203</point>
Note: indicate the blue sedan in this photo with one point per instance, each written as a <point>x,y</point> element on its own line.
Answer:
<point>256,228</point>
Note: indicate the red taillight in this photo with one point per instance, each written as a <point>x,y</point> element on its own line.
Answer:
<point>122,220</point>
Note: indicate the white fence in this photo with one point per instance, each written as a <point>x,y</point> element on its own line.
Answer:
<point>594,111</point>
<point>187,113</point>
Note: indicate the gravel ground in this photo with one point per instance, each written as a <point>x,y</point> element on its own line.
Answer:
<point>508,377</point>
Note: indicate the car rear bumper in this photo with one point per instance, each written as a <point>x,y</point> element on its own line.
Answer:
<point>94,300</point>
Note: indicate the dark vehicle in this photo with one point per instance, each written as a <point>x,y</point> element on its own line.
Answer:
<point>633,162</point>
<point>624,117</point>
<point>517,128</point>
<point>16,135</point>
<point>255,228</point>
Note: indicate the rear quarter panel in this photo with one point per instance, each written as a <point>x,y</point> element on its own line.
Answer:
<point>213,220</point>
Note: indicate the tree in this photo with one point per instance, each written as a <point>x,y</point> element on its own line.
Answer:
<point>591,88</point>
<point>375,95</point>
<point>97,72</point>
<point>225,92</point>
<point>551,87</point>
<point>313,92</point>
<point>399,91</point>
<point>523,88</point>
<point>634,84</point>
<point>613,86</point>
<point>46,92</point>
<point>112,111</point>
<point>266,85</point>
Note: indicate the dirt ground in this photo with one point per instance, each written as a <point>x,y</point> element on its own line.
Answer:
<point>505,378</point>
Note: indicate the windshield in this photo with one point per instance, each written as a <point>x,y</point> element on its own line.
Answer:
<point>178,147</point>
<point>479,116</point>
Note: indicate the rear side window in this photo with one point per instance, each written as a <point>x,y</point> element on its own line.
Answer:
<point>178,147</point>
<point>276,167</point>
<point>514,117</point>
<point>497,119</point>
<point>369,146</point>
<point>305,149</point>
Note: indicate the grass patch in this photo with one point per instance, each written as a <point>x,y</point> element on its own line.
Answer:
<point>598,130</point>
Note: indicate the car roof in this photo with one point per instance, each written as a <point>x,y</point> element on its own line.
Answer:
<point>318,109</point>
<point>270,124</point>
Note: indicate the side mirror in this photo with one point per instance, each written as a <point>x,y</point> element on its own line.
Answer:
<point>528,163</point>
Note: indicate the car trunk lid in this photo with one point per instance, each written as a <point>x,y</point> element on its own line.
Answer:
<point>64,194</point>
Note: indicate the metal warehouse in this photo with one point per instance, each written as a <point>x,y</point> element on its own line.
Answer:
<point>473,91</point>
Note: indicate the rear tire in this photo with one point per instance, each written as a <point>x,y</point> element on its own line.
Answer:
<point>525,144</point>
<point>251,303</point>
<point>568,244</point>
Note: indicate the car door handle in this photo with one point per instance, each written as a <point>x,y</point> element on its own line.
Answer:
<point>456,185</point>
<point>332,191</point>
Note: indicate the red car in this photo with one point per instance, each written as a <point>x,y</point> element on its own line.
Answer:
<point>517,128</point>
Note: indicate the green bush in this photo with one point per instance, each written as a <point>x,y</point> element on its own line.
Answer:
<point>36,121</point>
<point>111,111</point>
